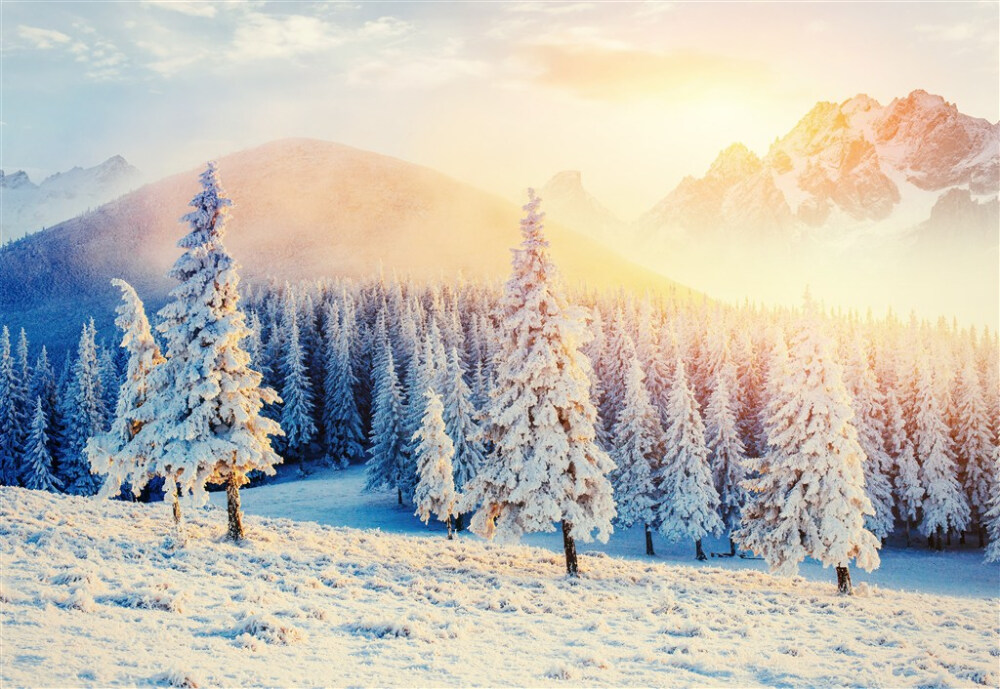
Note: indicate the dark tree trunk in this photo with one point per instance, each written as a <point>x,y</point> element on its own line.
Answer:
<point>940,545</point>
<point>236,532</point>
<point>649,541</point>
<point>569,546</point>
<point>930,542</point>
<point>177,509</point>
<point>907,522</point>
<point>961,538</point>
<point>699,551</point>
<point>399,495</point>
<point>947,538</point>
<point>732,547</point>
<point>451,535</point>
<point>460,522</point>
<point>982,536</point>
<point>844,580</point>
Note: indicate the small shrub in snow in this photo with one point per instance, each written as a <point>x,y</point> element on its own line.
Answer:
<point>266,628</point>
<point>156,597</point>
<point>175,678</point>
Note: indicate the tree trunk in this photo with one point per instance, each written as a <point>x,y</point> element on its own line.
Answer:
<point>940,545</point>
<point>844,580</point>
<point>451,535</point>
<point>177,509</point>
<point>459,522</point>
<point>236,532</point>
<point>982,536</point>
<point>732,547</point>
<point>649,541</point>
<point>569,546</point>
<point>698,551</point>
<point>961,538</point>
<point>399,495</point>
<point>907,522</point>
<point>947,538</point>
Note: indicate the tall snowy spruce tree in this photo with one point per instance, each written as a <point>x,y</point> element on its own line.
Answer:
<point>11,423</point>
<point>808,498</point>
<point>207,423</point>
<point>37,473</point>
<point>945,506</point>
<point>726,454</point>
<point>689,504</point>
<point>296,392</point>
<point>113,454</point>
<point>386,449</point>
<point>435,489</point>
<point>546,464</point>
<point>460,423</point>
<point>637,449</point>
<point>972,444</point>
<point>341,420</point>
<point>86,418</point>
<point>992,516</point>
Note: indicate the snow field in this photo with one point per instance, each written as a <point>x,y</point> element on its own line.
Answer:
<point>93,594</point>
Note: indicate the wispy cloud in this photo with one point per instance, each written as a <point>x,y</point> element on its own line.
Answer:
<point>394,68</point>
<point>42,39</point>
<point>188,7</point>
<point>959,32</point>
<point>609,72</point>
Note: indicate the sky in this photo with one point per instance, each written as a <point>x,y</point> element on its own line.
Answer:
<point>635,95</point>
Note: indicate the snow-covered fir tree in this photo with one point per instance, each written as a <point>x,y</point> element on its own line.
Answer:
<point>11,423</point>
<point>342,424</point>
<point>945,507</point>
<point>296,392</point>
<point>37,473</point>
<point>208,425</point>
<point>869,418</point>
<point>972,443</point>
<point>434,493</point>
<point>87,416</point>
<point>386,448</point>
<point>546,464</point>
<point>113,455</point>
<point>726,454</point>
<point>637,450</point>
<point>43,383</point>
<point>808,498</point>
<point>420,376</point>
<point>908,492</point>
<point>688,504</point>
<point>460,422</point>
<point>992,515</point>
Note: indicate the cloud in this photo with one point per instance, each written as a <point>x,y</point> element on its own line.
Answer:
<point>188,7</point>
<point>549,8</point>
<point>262,36</point>
<point>960,32</point>
<point>607,72</point>
<point>43,39</point>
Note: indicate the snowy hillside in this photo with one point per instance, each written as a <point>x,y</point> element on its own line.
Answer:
<point>28,207</point>
<point>303,209</point>
<point>93,596</point>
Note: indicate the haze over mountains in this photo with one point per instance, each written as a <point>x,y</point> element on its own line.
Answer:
<point>303,209</point>
<point>895,202</point>
<point>870,205</point>
<point>28,207</point>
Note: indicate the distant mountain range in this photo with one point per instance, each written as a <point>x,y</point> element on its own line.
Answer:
<point>910,170</point>
<point>894,204</point>
<point>303,210</point>
<point>28,207</point>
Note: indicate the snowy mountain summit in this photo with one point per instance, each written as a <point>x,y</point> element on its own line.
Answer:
<point>845,171</point>
<point>28,207</point>
<point>570,203</point>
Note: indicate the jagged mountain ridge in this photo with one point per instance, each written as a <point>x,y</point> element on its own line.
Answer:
<point>845,170</point>
<point>28,207</point>
<point>303,209</point>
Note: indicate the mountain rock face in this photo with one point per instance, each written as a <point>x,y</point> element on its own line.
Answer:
<point>303,210</point>
<point>843,171</point>
<point>28,207</point>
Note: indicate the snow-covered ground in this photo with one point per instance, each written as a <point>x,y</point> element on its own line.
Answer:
<point>92,594</point>
<point>336,498</point>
